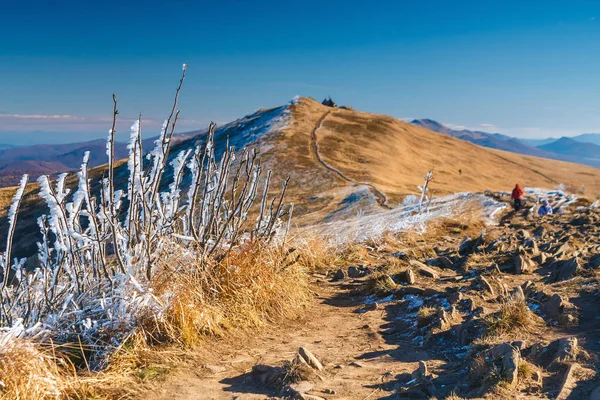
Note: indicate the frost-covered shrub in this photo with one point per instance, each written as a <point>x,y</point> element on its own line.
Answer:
<point>99,248</point>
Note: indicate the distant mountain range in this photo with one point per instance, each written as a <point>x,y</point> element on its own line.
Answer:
<point>51,159</point>
<point>593,138</point>
<point>582,149</point>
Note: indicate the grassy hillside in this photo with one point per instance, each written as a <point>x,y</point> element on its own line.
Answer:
<point>361,159</point>
<point>394,155</point>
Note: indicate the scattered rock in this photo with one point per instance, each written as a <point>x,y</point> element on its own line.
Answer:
<point>424,269</point>
<point>540,258</point>
<point>356,364</point>
<point>407,276</point>
<point>562,250</point>
<point>329,391</point>
<point>310,358</point>
<point>339,275</point>
<point>568,382</point>
<point>354,272</point>
<point>468,245</point>
<point>445,262</point>
<point>487,286</point>
<point>540,231</point>
<point>267,375</point>
<point>510,366</point>
<point>556,308</point>
<point>565,269</point>
<point>522,265</point>
<point>455,297</point>
<point>517,294</point>
<point>420,372</point>
<point>568,349</point>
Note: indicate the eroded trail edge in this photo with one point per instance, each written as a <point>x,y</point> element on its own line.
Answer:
<point>379,195</point>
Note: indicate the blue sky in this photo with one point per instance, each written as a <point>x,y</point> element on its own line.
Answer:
<point>525,68</point>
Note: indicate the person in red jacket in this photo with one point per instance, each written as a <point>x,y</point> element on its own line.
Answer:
<point>517,195</point>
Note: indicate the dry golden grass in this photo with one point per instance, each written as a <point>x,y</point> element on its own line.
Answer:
<point>514,317</point>
<point>394,155</point>
<point>425,316</point>
<point>314,253</point>
<point>28,372</point>
<point>248,288</point>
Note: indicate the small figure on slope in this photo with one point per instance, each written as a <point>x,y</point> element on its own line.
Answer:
<point>545,208</point>
<point>517,196</point>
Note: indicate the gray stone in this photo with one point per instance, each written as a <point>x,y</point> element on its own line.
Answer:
<point>310,358</point>
<point>424,269</point>
<point>522,265</point>
<point>565,269</point>
<point>554,306</point>
<point>510,366</point>
<point>339,275</point>
<point>409,277</point>
<point>445,262</point>
<point>569,382</point>
<point>568,348</point>
<point>354,272</point>
<point>455,297</point>
<point>517,294</point>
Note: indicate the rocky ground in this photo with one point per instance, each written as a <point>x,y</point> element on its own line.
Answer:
<point>510,312</point>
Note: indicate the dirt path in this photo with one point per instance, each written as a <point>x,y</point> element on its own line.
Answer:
<point>379,195</point>
<point>356,357</point>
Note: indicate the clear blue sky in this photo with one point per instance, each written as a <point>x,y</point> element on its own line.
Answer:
<point>527,68</point>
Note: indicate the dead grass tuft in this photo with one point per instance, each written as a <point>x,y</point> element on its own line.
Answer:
<point>425,316</point>
<point>315,254</point>
<point>251,286</point>
<point>514,317</point>
<point>28,372</point>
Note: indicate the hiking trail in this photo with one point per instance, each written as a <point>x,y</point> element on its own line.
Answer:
<point>379,195</point>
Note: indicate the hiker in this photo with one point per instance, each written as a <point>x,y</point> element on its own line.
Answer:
<point>545,208</point>
<point>517,196</point>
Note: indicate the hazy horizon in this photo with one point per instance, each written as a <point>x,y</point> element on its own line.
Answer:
<point>525,70</point>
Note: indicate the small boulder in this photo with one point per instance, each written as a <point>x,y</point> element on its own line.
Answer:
<point>517,294</point>
<point>568,349</point>
<point>554,306</point>
<point>455,297</point>
<point>540,258</point>
<point>445,262</point>
<point>522,265</point>
<point>424,269</point>
<point>310,358</point>
<point>339,275</point>
<point>565,269</point>
<point>407,276</point>
<point>354,272</point>
<point>510,366</point>
<point>568,383</point>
